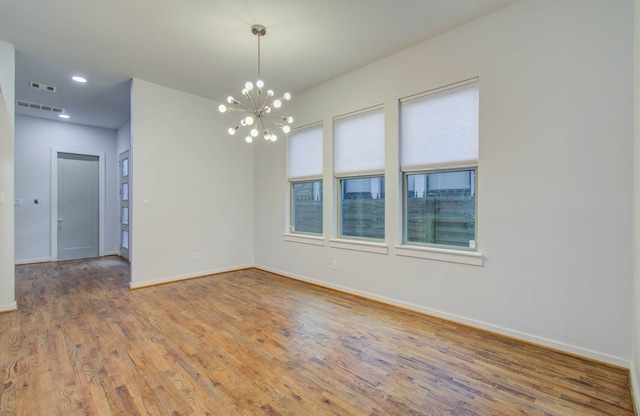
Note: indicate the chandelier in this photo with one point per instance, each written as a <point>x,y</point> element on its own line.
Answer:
<point>259,105</point>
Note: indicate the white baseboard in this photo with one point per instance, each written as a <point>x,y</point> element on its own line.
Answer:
<point>34,260</point>
<point>49,259</point>
<point>635,385</point>
<point>171,279</point>
<point>570,349</point>
<point>10,307</point>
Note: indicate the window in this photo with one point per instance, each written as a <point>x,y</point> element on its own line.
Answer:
<point>362,207</point>
<point>359,170</point>
<point>306,207</point>
<point>439,161</point>
<point>304,169</point>
<point>441,208</point>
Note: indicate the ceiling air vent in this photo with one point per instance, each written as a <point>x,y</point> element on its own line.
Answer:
<point>43,87</point>
<point>36,106</point>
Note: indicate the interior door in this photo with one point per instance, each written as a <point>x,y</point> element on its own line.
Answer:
<point>78,206</point>
<point>125,168</point>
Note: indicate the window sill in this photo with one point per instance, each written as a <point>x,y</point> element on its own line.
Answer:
<point>304,239</point>
<point>358,245</point>
<point>432,253</point>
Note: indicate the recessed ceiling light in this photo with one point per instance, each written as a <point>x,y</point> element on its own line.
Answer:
<point>65,116</point>
<point>79,79</point>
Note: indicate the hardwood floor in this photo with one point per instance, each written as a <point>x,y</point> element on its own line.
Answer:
<point>250,342</point>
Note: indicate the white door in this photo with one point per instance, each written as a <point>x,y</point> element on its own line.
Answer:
<point>125,168</point>
<point>78,206</point>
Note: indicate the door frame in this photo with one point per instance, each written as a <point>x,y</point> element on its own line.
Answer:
<point>54,197</point>
<point>129,204</point>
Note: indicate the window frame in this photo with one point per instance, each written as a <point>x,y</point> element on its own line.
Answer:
<point>405,207</point>
<point>305,176</point>
<point>339,216</point>
<point>441,252</point>
<point>357,168</point>
<point>291,227</point>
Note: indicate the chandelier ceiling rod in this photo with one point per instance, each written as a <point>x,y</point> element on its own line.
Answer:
<point>259,31</point>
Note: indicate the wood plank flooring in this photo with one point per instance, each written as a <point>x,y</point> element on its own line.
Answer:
<point>253,343</point>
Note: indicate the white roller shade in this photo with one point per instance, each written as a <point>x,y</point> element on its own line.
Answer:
<point>304,153</point>
<point>440,129</point>
<point>359,143</point>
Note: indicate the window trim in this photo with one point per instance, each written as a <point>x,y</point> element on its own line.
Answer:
<point>360,244</point>
<point>312,239</point>
<point>471,258</point>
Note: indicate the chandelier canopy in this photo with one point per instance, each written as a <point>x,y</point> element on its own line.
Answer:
<point>259,106</point>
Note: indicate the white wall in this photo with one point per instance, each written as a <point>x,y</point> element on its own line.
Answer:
<point>555,207</point>
<point>635,363</point>
<point>7,100</point>
<point>123,137</point>
<point>35,138</point>
<point>192,188</point>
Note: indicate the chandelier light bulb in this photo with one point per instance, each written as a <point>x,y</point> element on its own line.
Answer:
<point>232,131</point>
<point>248,121</point>
<point>289,119</point>
<point>254,132</point>
<point>270,93</point>
<point>248,86</point>
<point>259,84</point>
<point>286,129</point>
<point>277,103</point>
<point>222,108</point>
<point>248,139</point>
<point>230,99</point>
<point>274,137</point>
<point>286,96</point>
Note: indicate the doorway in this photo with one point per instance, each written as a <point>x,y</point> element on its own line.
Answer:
<point>77,209</point>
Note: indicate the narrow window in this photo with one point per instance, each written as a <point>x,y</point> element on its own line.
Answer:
<point>439,163</point>
<point>359,172</point>
<point>304,169</point>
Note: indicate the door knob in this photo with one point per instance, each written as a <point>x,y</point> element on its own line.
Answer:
<point>59,219</point>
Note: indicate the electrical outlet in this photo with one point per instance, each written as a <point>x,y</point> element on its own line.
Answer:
<point>334,264</point>
<point>194,256</point>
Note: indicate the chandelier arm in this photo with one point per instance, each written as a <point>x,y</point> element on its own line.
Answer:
<point>264,130</point>
<point>241,107</point>
<point>273,118</point>
<point>252,101</point>
<point>278,124</point>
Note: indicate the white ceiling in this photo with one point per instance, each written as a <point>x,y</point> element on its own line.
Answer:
<point>205,47</point>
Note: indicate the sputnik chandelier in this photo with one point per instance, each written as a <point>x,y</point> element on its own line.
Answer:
<point>259,105</point>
